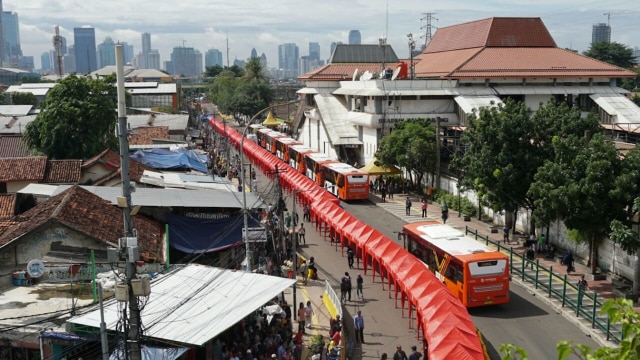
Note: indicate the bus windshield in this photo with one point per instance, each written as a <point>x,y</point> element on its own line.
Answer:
<point>357,179</point>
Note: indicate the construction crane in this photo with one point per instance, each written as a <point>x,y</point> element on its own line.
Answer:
<point>57,45</point>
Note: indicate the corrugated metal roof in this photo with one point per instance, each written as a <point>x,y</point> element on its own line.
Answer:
<point>470,104</point>
<point>307,91</point>
<point>210,198</point>
<point>172,121</point>
<point>334,117</point>
<point>145,84</point>
<point>15,110</point>
<point>625,111</point>
<point>160,89</point>
<point>195,304</point>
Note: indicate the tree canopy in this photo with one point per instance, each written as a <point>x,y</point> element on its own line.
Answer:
<point>506,144</point>
<point>411,145</point>
<point>611,52</point>
<point>241,91</point>
<point>77,120</point>
<point>23,98</point>
<point>578,186</point>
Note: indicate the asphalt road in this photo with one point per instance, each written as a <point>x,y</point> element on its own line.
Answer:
<point>526,321</point>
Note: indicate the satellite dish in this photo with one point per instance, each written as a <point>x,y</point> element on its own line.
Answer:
<point>355,75</point>
<point>35,268</point>
<point>395,73</point>
<point>366,76</point>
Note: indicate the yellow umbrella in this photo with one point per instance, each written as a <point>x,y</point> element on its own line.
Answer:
<point>271,121</point>
<point>374,169</point>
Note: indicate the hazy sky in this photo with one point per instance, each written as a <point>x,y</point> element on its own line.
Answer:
<point>264,24</point>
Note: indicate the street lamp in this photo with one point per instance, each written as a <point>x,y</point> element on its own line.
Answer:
<point>244,193</point>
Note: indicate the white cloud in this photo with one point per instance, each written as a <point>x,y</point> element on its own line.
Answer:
<point>204,24</point>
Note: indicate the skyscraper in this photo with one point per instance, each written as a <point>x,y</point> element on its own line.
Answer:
<point>106,53</point>
<point>84,42</point>
<point>333,47</point>
<point>314,51</point>
<point>354,37</point>
<point>288,55</point>
<point>2,53</point>
<point>213,57</point>
<point>601,32</point>
<point>153,59</point>
<point>146,48</point>
<point>186,61</point>
<point>11,34</point>
<point>45,61</point>
<point>128,52</point>
<point>254,53</point>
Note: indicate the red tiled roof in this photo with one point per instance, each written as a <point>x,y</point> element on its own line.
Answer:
<point>90,215</point>
<point>63,172</point>
<point>23,168</point>
<point>7,206</point>
<point>112,159</point>
<point>491,32</point>
<point>146,134</point>
<point>341,71</point>
<point>536,62</point>
<point>13,146</point>
<point>443,63</point>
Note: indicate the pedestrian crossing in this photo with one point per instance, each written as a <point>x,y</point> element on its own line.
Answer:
<point>397,208</point>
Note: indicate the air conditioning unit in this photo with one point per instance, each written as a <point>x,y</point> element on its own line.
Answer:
<point>125,242</point>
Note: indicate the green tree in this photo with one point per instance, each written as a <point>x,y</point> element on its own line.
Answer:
<point>636,99</point>
<point>241,91</point>
<point>506,145</point>
<point>579,187</point>
<point>253,70</point>
<point>411,145</point>
<point>632,84</point>
<point>77,119</point>
<point>23,98</point>
<point>619,311</point>
<point>611,52</point>
<point>213,71</point>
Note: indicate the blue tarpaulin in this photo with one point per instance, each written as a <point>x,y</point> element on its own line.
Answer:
<point>164,159</point>
<point>196,236</point>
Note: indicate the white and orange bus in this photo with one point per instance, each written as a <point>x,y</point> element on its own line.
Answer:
<point>270,140</point>
<point>345,181</point>
<point>296,157</point>
<point>313,164</point>
<point>261,134</point>
<point>282,147</point>
<point>475,274</point>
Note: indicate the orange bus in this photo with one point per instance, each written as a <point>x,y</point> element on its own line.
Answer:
<point>296,157</point>
<point>345,181</point>
<point>270,140</point>
<point>253,128</point>
<point>261,134</point>
<point>282,147</point>
<point>313,165</point>
<point>475,273</point>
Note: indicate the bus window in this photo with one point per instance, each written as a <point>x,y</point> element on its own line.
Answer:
<point>455,272</point>
<point>357,179</point>
<point>340,182</point>
<point>488,267</point>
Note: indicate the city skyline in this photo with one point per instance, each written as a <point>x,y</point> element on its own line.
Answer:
<point>254,25</point>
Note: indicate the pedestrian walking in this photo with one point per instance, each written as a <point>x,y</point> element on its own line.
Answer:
<point>302,314</point>
<point>423,206</point>
<point>415,354</point>
<point>359,286</point>
<point>400,354</point>
<point>301,234</point>
<point>358,325</point>
<point>383,192</point>
<point>308,312</point>
<point>407,204</point>
<point>350,257</point>
<point>383,356</point>
<point>391,190</point>
<point>445,212</point>
<point>306,212</point>
<point>583,286</point>
<point>567,259</point>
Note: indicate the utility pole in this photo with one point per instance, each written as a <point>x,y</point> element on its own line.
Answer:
<point>57,45</point>
<point>294,250</point>
<point>129,246</point>
<point>438,152</point>
<point>280,209</point>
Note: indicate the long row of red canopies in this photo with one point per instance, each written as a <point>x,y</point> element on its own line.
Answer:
<point>443,320</point>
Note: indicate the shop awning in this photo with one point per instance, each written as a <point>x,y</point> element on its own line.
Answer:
<point>194,304</point>
<point>470,104</point>
<point>620,107</point>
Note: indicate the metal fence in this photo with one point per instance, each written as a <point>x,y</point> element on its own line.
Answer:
<point>556,286</point>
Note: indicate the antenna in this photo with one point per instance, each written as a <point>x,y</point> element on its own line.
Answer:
<point>608,15</point>
<point>386,26</point>
<point>227,47</point>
